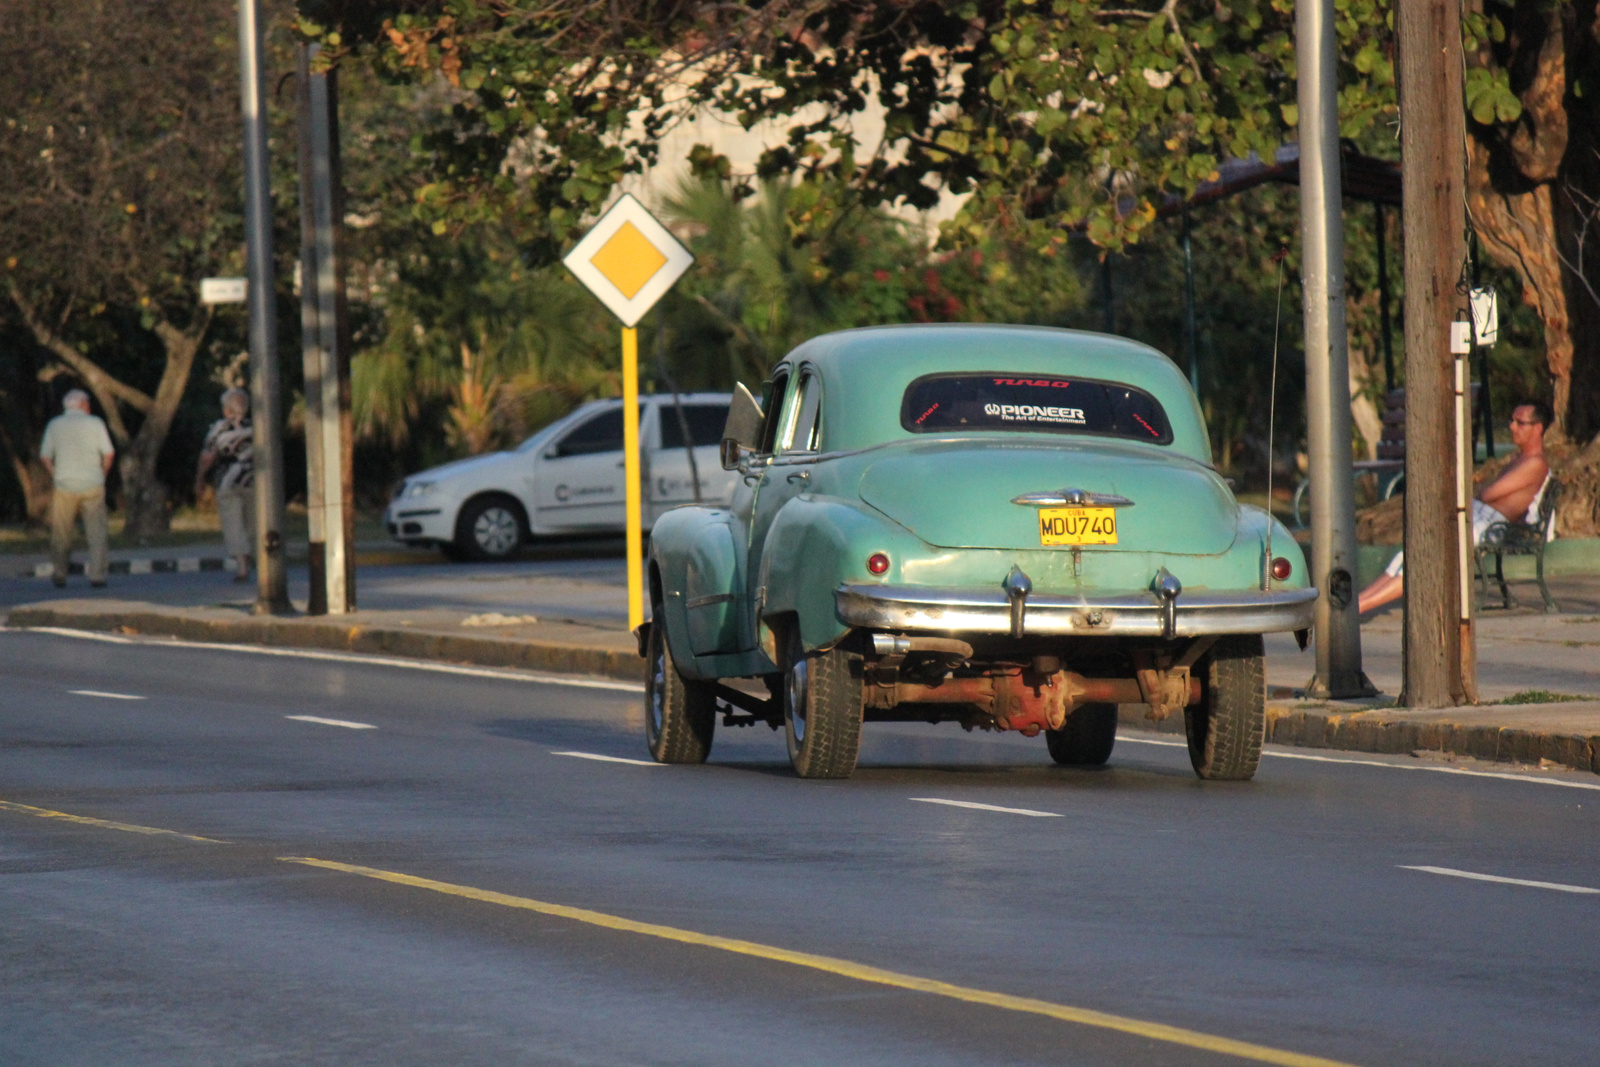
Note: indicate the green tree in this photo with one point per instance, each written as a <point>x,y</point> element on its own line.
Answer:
<point>1533,182</point>
<point>120,145</point>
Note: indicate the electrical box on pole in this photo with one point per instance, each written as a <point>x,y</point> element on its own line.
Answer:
<point>1438,627</point>
<point>1336,629</point>
<point>330,498</point>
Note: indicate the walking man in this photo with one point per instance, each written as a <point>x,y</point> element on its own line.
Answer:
<point>228,455</point>
<point>77,452</point>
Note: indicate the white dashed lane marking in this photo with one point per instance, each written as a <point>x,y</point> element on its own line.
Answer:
<point>1474,876</point>
<point>988,807</point>
<point>102,695</point>
<point>610,759</point>
<point>332,722</point>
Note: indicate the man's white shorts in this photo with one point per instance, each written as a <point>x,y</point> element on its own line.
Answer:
<point>1483,516</point>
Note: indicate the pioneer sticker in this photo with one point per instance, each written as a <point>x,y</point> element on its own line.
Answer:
<point>1034,413</point>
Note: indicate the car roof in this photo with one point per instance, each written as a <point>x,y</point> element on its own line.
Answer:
<point>865,373</point>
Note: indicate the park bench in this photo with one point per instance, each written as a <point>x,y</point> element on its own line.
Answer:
<point>1510,538</point>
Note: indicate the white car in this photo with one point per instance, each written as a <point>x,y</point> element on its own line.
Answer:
<point>567,479</point>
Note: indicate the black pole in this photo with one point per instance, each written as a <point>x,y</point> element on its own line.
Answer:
<point>1485,409</point>
<point>1105,291</point>
<point>1383,301</point>
<point>272,588</point>
<point>1189,338</point>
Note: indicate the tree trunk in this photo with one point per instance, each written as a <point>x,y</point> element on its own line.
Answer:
<point>1533,193</point>
<point>31,476</point>
<point>1518,230</point>
<point>144,496</point>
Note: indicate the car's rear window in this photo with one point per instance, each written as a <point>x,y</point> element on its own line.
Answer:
<point>1032,403</point>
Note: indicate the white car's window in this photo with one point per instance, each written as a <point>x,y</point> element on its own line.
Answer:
<point>706,422</point>
<point>603,433</point>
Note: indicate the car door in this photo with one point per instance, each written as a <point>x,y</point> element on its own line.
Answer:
<point>672,479</point>
<point>793,434</point>
<point>578,485</point>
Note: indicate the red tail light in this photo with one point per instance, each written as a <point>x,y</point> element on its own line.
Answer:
<point>877,563</point>
<point>1281,568</point>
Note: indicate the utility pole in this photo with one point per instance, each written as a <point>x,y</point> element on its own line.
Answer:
<point>1190,332</point>
<point>330,497</point>
<point>272,586</point>
<point>1438,636</point>
<point>1336,629</point>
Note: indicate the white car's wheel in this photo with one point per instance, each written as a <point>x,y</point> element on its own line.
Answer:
<point>490,528</point>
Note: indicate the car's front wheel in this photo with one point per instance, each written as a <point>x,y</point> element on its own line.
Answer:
<point>489,528</point>
<point>1227,727</point>
<point>1086,737</point>
<point>680,715</point>
<point>822,699</point>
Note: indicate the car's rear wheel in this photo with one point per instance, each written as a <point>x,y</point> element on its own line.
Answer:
<point>822,699</point>
<point>1086,737</point>
<point>490,528</point>
<point>1227,727</point>
<point>680,714</point>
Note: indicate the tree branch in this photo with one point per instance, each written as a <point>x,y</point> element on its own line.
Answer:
<point>106,389</point>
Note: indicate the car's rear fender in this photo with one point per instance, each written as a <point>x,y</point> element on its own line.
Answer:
<point>696,557</point>
<point>814,544</point>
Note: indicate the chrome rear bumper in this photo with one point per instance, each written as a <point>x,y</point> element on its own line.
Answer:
<point>890,607</point>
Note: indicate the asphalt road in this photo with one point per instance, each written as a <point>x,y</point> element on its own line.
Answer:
<point>1278,913</point>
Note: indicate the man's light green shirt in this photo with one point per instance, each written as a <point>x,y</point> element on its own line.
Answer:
<point>76,443</point>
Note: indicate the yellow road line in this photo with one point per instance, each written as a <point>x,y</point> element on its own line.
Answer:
<point>105,824</point>
<point>846,968</point>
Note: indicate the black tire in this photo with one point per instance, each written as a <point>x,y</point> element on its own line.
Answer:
<point>680,715</point>
<point>490,528</point>
<point>1086,738</point>
<point>1227,727</point>
<point>822,700</point>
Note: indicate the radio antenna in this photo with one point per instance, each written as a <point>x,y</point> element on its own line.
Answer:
<point>1272,408</point>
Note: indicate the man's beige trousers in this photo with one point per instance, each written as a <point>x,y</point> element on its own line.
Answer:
<point>64,508</point>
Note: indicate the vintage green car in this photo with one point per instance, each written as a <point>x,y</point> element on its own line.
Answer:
<point>1012,528</point>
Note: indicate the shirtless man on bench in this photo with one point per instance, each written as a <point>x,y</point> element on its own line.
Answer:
<point>1506,499</point>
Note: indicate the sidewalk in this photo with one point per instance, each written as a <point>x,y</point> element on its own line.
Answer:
<point>1519,653</point>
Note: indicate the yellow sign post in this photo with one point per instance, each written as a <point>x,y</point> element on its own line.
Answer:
<point>629,260</point>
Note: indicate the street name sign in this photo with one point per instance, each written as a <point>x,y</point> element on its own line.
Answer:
<point>223,290</point>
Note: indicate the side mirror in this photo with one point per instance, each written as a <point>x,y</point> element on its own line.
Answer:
<point>743,430</point>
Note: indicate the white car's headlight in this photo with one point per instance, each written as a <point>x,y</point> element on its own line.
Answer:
<point>418,489</point>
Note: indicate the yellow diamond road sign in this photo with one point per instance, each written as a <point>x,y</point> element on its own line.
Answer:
<point>629,260</point>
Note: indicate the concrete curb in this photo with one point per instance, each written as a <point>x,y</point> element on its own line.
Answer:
<point>182,565</point>
<point>327,634</point>
<point>194,564</point>
<point>1388,732</point>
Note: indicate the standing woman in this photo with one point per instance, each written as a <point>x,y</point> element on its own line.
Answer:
<point>228,456</point>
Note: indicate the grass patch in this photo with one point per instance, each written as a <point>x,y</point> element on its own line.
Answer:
<point>1540,696</point>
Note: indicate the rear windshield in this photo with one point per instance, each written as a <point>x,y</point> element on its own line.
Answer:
<point>1032,403</point>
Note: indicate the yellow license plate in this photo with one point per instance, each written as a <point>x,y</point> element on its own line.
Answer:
<point>1077,526</point>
